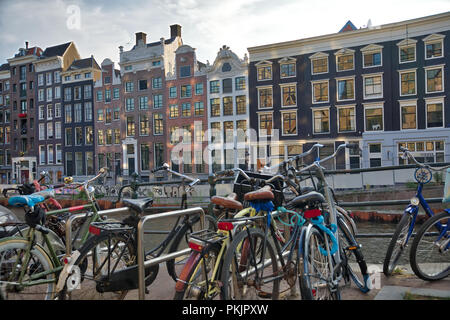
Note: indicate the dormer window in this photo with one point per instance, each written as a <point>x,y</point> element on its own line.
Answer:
<point>264,70</point>
<point>434,46</point>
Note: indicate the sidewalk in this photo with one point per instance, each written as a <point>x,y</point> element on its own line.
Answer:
<point>164,287</point>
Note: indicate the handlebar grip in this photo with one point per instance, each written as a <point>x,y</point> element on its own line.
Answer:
<point>158,169</point>
<point>403,149</point>
<point>352,146</point>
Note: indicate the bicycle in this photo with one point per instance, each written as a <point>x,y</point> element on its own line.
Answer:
<point>405,227</point>
<point>28,268</point>
<point>113,241</point>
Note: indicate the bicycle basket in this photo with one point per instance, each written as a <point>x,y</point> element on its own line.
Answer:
<point>446,197</point>
<point>242,186</point>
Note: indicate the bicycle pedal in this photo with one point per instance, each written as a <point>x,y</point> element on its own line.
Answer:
<point>350,248</point>
<point>264,295</point>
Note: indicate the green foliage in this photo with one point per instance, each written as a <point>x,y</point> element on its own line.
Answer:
<point>411,185</point>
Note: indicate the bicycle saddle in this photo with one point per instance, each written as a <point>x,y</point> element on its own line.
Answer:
<point>26,200</point>
<point>264,193</point>
<point>138,205</point>
<point>303,200</point>
<point>229,202</point>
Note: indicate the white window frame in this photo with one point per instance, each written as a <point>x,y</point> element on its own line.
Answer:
<point>371,75</point>
<point>312,90</point>
<point>288,60</point>
<point>439,66</point>
<point>375,105</point>
<point>40,79</point>
<point>375,155</point>
<point>258,88</point>
<point>338,116</point>
<point>259,123</point>
<point>407,43</point>
<point>50,158</point>
<point>41,112</point>
<point>400,72</point>
<point>42,131</point>
<point>313,122</point>
<point>49,112</point>
<point>433,38</point>
<point>407,103</point>
<point>319,56</point>
<point>282,122</point>
<point>282,85</point>
<point>42,152</point>
<point>372,48</point>
<point>58,160</point>
<point>58,130</point>
<point>337,88</point>
<point>50,130</point>
<point>264,64</point>
<point>434,100</point>
<point>344,52</point>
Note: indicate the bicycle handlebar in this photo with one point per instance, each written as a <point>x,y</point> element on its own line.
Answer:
<point>410,156</point>
<point>165,166</point>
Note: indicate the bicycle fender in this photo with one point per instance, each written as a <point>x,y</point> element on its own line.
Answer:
<point>67,270</point>
<point>192,261</point>
<point>411,209</point>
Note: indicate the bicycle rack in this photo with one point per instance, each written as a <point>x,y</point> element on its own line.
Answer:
<point>140,239</point>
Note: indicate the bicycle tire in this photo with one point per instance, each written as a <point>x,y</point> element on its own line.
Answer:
<point>395,248</point>
<point>177,245</point>
<point>422,271</point>
<point>41,263</point>
<point>232,262</point>
<point>309,289</point>
<point>186,287</point>
<point>363,282</point>
<point>90,259</point>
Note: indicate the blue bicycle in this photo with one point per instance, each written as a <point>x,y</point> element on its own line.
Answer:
<point>405,227</point>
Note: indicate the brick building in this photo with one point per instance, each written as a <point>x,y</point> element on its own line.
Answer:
<point>5,124</point>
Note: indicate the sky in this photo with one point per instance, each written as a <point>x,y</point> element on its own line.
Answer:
<point>99,27</point>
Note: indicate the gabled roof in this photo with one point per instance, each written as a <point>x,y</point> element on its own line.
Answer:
<point>84,63</point>
<point>349,26</point>
<point>58,50</point>
<point>157,43</point>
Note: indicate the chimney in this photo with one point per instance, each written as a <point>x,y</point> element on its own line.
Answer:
<point>26,45</point>
<point>175,31</point>
<point>141,37</point>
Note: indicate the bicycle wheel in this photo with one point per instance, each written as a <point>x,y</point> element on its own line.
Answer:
<point>353,258</point>
<point>101,256</point>
<point>315,274</point>
<point>250,268</point>
<point>397,244</point>
<point>194,282</point>
<point>12,255</point>
<point>430,249</point>
<point>174,266</point>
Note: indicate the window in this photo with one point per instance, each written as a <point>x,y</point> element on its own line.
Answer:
<point>116,114</point>
<point>159,154</point>
<point>23,72</point>
<point>199,109</point>
<point>344,62</point>
<point>172,92</point>
<point>142,85</point>
<point>41,154</point>
<point>69,163</point>
<point>78,136</point>
<point>109,137</point>
<point>228,131</point>
<point>129,86</point>
<point>227,85</point>
<point>287,70</point>
<point>157,83</point>
<point>289,94</point>
<point>130,127</point>
<point>185,109</point>
<point>79,163</point>
<point>227,106</point>
<point>321,120</point>
<point>157,101</point>
<point>187,162</point>
<point>354,157</point>
<point>145,156</point>
<point>215,107</point>
<point>58,154</point>
<point>214,86</point>
<point>89,135</point>
<point>89,163</point>
<point>68,113</point>
<point>108,115</point>
<point>185,71</point>
<point>40,79</point>
<point>186,134</point>
<point>374,155</point>
<point>408,116</point>
<point>49,130</point>
<point>100,115</point>
<point>407,53</point>
<point>58,130</point>
<point>241,105</point>
<point>434,46</point>
<point>49,94</point>
<point>424,151</point>
<point>99,95</point>
<point>57,92</point>
<point>77,112</point>
<point>215,132</point>
<point>144,125</point>
<point>116,136</point>
<point>107,95</point>
<point>41,112</point>
<point>87,75</point>
<point>68,137</point>
<point>173,111</point>
<point>157,124</point>
<point>240,83</point>
<point>156,63</point>
<point>372,59</point>
<point>320,91</point>
<point>264,72</point>
<point>129,104</point>
<point>41,94</point>
<point>374,118</point>
<point>128,68</point>
<point>265,124</point>
<point>116,93</point>
<point>143,103</point>
<point>289,123</point>
<point>407,83</point>
<point>434,79</point>
<point>41,131</point>
<point>373,86</point>
<point>319,65</point>
<point>186,91</point>
<point>88,111</point>
<point>346,116</point>
<point>345,89</point>
<point>76,93</point>
<point>265,98</point>
<point>434,114</point>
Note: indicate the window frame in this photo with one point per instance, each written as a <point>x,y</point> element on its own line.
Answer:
<point>408,103</point>
<point>373,75</point>
<point>313,110</point>
<point>338,108</point>
<point>337,88</point>
<point>434,67</point>
<point>283,112</point>
<point>378,105</point>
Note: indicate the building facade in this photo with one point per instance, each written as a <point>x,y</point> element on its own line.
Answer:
<point>228,111</point>
<point>79,155</point>
<point>108,111</point>
<point>380,87</point>
<point>143,72</point>
<point>50,141</point>
<point>186,117</point>
<point>5,124</point>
